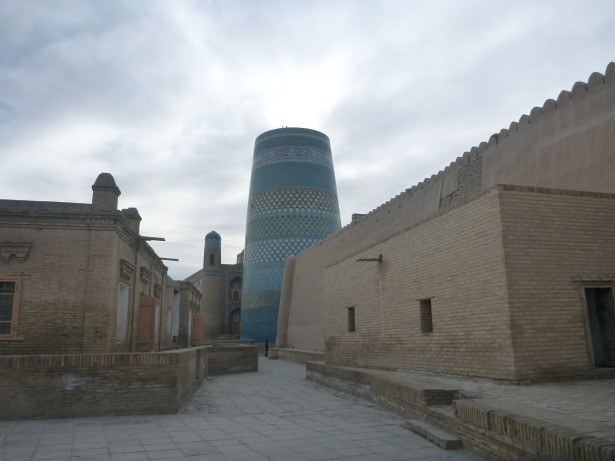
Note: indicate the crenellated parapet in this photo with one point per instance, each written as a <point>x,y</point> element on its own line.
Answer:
<point>561,144</point>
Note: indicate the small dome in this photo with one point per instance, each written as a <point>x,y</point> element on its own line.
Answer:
<point>105,180</point>
<point>213,235</point>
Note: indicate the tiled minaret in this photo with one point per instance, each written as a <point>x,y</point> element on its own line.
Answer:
<point>292,205</point>
<point>212,284</point>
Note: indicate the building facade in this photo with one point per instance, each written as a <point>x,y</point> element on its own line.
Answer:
<point>506,325</point>
<point>497,287</point>
<point>220,285</point>
<point>79,278</point>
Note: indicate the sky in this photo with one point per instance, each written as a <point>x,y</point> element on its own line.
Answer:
<point>169,96</point>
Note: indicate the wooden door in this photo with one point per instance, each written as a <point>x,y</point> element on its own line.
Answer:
<point>146,333</point>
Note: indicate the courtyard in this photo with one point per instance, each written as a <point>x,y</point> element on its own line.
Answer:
<point>275,414</point>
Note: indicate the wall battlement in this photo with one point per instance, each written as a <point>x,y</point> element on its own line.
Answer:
<point>546,117</point>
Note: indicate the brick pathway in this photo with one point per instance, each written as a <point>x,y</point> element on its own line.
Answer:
<point>272,415</point>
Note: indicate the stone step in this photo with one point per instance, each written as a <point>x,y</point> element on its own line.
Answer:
<point>434,434</point>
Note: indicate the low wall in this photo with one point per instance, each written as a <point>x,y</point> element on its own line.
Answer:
<point>295,355</point>
<point>397,394</point>
<point>223,360</point>
<point>78,385</point>
<point>508,436</point>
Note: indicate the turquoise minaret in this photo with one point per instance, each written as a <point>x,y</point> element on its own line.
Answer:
<point>292,205</point>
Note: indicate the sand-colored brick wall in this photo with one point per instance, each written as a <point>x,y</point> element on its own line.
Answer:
<point>556,244</point>
<point>566,144</point>
<point>223,360</point>
<point>99,309</point>
<point>457,261</point>
<point>77,385</point>
<point>60,386</point>
<point>505,274</point>
<point>53,290</point>
<point>70,278</point>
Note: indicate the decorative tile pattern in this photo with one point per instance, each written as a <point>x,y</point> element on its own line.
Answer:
<point>292,154</point>
<point>294,200</point>
<point>292,206</point>
<point>276,249</point>
<point>286,224</point>
<point>263,277</point>
<point>213,243</point>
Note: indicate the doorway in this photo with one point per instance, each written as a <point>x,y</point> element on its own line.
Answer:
<point>146,330</point>
<point>234,321</point>
<point>602,324</point>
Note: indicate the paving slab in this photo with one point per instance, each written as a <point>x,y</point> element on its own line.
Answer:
<point>274,414</point>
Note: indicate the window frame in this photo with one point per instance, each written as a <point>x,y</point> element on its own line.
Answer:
<point>352,319</point>
<point>235,289</point>
<point>426,315</point>
<point>14,322</point>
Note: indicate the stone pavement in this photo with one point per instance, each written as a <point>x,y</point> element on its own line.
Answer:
<point>275,414</point>
<point>585,406</point>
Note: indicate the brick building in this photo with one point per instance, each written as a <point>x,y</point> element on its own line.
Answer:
<point>459,274</point>
<point>503,286</point>
<point>220,285</point>
<point>79,278</point>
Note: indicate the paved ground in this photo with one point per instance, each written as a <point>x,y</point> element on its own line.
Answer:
<point>274,414</point>
<point>585,406</point>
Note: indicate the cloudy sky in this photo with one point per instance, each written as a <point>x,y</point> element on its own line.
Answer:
<point>168,96</point>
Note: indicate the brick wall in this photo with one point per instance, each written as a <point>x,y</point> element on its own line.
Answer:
<point>504,274</point>
<point>62,386</point>
<point>87,385</point>
<point>456,261</point>
<point>70,278</point>
<point>54,288</point>
<point>565,144</point>
<point>224,360</point>
<point>556,244</point>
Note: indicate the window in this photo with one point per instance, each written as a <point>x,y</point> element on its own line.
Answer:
<point>9,307</point>
<point>123,297</point>
<point>351,320</point>
<point>235,289</point>
<point>426,320</point>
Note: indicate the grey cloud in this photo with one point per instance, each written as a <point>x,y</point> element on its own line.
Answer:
<point>169,96</point>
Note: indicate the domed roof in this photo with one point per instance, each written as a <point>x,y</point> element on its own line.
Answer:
<point>105,180</point>
<point>213,235</point>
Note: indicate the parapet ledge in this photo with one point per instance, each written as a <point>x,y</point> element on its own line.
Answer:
<point>595,80</point>
<point>537,114</point>
<point>579,90</point>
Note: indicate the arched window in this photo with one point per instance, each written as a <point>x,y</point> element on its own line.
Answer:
<point>235,289</point>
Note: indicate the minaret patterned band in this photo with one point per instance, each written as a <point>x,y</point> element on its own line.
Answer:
<point>292,205</point>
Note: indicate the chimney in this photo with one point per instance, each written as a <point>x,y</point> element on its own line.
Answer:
<point>132,217</point>
<point>105,193</point>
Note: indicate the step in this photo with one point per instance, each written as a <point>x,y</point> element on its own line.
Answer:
<point>434,434</point>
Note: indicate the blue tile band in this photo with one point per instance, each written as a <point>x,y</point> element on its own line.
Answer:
<point>292,205</point>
